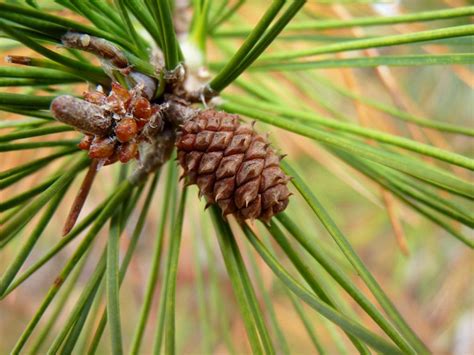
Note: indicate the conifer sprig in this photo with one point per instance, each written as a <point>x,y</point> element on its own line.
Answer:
<point>136,48</point>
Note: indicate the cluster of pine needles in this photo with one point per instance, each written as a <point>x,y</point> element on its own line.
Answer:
<point>331,76</point>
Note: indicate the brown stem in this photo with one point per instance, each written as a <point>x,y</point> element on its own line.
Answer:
<point>81,197</point>
<point>177,111</point>
<point>155,156</point>
<point>204,94</point>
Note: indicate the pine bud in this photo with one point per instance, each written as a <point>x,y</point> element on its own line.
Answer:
<point>86,117</point>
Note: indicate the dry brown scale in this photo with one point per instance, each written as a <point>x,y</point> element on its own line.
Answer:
<point>232,165</point>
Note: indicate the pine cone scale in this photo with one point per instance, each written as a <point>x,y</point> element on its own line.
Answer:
<point>246,193</point>
<point>248,170</point>
<point>209,161</point>
<point>229,165</point>
<point>224,188</point>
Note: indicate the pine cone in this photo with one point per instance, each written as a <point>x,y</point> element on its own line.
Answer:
<point>232,165</point>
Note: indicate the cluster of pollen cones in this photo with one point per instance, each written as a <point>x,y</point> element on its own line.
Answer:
<point>117,124</point>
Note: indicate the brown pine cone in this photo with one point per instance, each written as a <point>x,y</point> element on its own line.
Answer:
<point>232,165</point>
